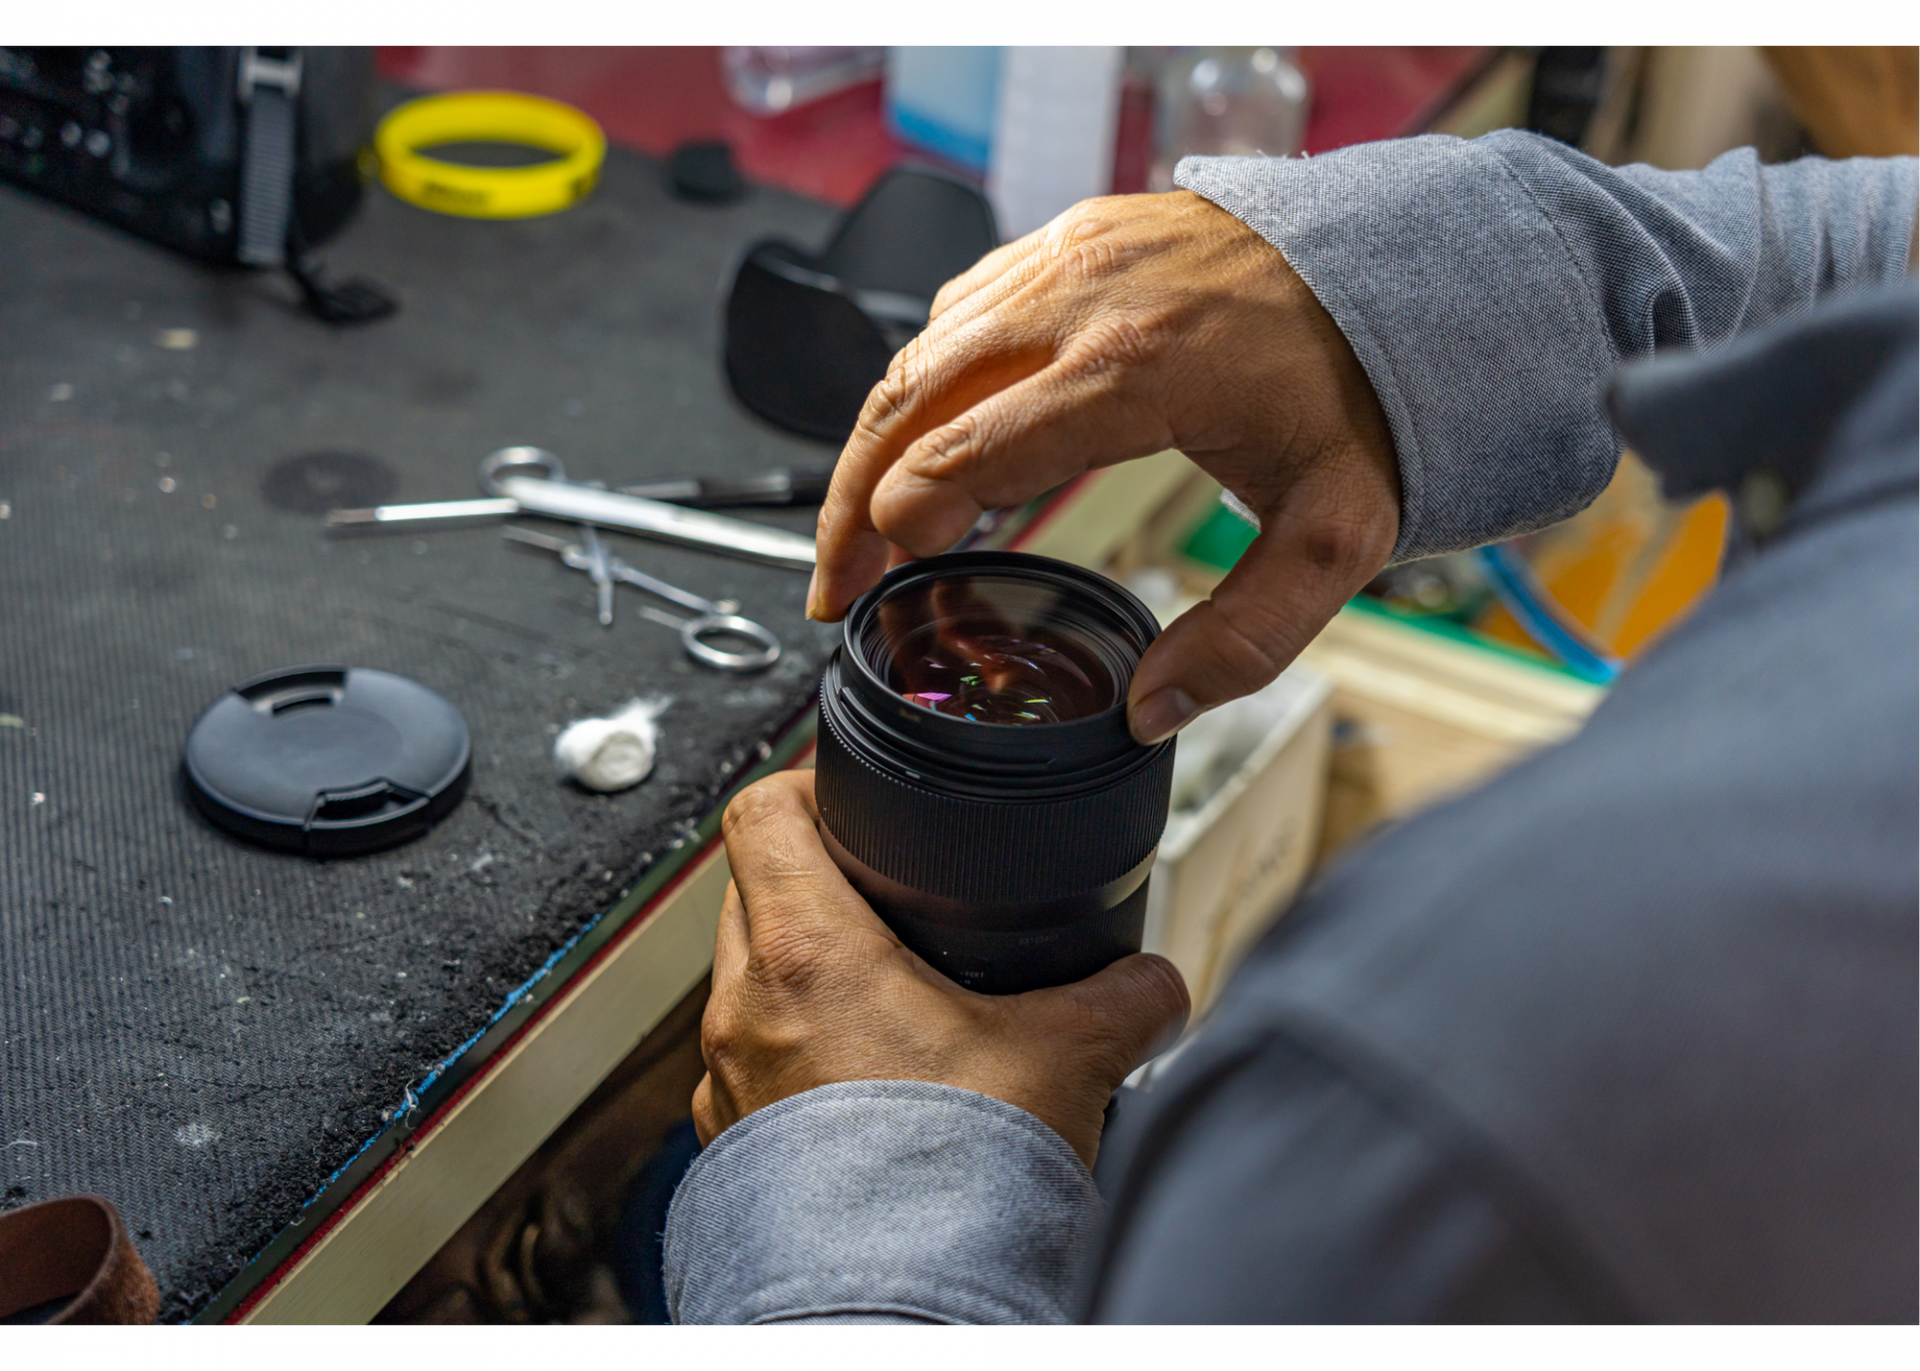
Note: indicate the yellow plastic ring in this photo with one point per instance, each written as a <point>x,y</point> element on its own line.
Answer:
<point>489,117</point>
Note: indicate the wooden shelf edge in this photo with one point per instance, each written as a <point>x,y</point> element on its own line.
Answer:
<point>448,1172</point>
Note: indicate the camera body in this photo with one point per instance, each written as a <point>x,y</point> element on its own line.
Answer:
<point>976,780</point>
<point>156,140</point>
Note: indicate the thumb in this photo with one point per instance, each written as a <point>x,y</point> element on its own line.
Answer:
<point>1313,554</point>
<point>1125,1012</point>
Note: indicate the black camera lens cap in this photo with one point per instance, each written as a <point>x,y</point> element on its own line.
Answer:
<point>328,761</point>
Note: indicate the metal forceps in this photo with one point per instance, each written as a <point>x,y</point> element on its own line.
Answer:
<point>710,617</point>
<point>527,480</point>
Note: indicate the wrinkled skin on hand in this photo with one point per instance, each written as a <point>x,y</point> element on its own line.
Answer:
<point>1127,326</point>
<point>810,988</point>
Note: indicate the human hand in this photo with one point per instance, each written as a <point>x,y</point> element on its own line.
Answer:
<point>1127,326</point>
<point>810,988</point>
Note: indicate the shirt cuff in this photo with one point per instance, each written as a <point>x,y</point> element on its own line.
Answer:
<point>1486,346</point>
<point>882,1198</point>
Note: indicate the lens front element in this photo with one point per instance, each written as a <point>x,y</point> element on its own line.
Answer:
<point>976,780</point>
<point>998,650</point>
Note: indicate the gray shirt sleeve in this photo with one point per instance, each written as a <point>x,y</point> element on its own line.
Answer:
<point>905,1202</point>
<point>1490,287</point>
<point>881,1201</point>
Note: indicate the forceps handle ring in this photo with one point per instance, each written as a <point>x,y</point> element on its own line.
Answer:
<point>690,637</point>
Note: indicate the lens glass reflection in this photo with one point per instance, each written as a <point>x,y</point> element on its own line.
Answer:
<point>997,650</point>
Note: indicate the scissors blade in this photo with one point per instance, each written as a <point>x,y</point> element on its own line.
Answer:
<point>441,514</point>
<point>600,571</point>
<point>694,527</point>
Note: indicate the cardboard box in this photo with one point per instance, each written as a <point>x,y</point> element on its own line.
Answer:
<point>1227,870</point>
<point>1421,717</point>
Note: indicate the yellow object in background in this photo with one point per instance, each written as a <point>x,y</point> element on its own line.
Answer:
<point>489,117</point>
<point>1628,567</point>
<point>1854,102</point>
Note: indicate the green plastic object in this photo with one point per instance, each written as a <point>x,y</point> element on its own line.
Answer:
<point>1219,539</point>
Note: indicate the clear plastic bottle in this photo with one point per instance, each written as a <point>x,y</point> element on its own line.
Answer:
<point>768,81</point>
<point>1227,102</point>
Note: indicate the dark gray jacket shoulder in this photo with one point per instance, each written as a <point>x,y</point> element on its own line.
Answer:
<point>1656,988</point>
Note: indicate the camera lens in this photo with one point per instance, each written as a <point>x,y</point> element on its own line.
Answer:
<point>976,779</point>
<point>997,649</point>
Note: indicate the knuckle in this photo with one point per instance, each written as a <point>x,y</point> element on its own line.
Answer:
<point>1089,255</point>
<point>888,399</point>
<point>937,454</point>
<point>1343,547</point>
<point>789,962</point>
<point>1060,232</point>
<point>747,810</point>
<point>1086,220</point>
<point>719,1036</point>
<point>1122,341</point>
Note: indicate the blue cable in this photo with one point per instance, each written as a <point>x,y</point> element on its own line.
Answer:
<point>1518,588</point>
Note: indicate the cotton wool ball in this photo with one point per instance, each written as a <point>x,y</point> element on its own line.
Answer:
<point>611,753</point>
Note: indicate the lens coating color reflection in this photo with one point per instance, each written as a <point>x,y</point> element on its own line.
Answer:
<point>997,650</point>
<point>947,814</point>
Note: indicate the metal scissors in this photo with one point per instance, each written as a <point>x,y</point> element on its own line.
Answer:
<point>711,618</point>
<point>529,480</point>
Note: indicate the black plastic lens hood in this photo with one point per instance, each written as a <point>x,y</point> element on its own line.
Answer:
<point>809,334</point>
<point>1010,856</point>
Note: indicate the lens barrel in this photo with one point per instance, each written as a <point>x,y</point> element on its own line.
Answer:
<point>975,776</point>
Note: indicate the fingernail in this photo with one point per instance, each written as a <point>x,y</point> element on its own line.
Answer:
<point>1161,714</point>
<point>813,593</point>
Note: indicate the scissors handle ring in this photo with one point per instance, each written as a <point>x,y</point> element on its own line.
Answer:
<point>518,461</point>
<point>734,626</point>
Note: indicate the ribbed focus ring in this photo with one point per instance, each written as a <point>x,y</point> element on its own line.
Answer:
<point>999,853</point>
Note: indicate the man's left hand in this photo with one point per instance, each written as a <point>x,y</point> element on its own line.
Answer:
<point>810,988</point>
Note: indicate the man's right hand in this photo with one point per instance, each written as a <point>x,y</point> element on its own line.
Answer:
<point>1127,326</point>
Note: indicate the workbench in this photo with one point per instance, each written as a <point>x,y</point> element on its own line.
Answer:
<point>297,1078</point>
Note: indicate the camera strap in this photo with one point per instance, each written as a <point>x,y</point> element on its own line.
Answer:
<point>270,233</point>
<point>269,89</point>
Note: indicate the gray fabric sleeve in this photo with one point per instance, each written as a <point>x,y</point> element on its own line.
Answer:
<point>881,1201</point>
<point>1490,287</point>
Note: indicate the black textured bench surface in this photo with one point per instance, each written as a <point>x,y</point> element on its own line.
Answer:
<point>205,1032</point>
